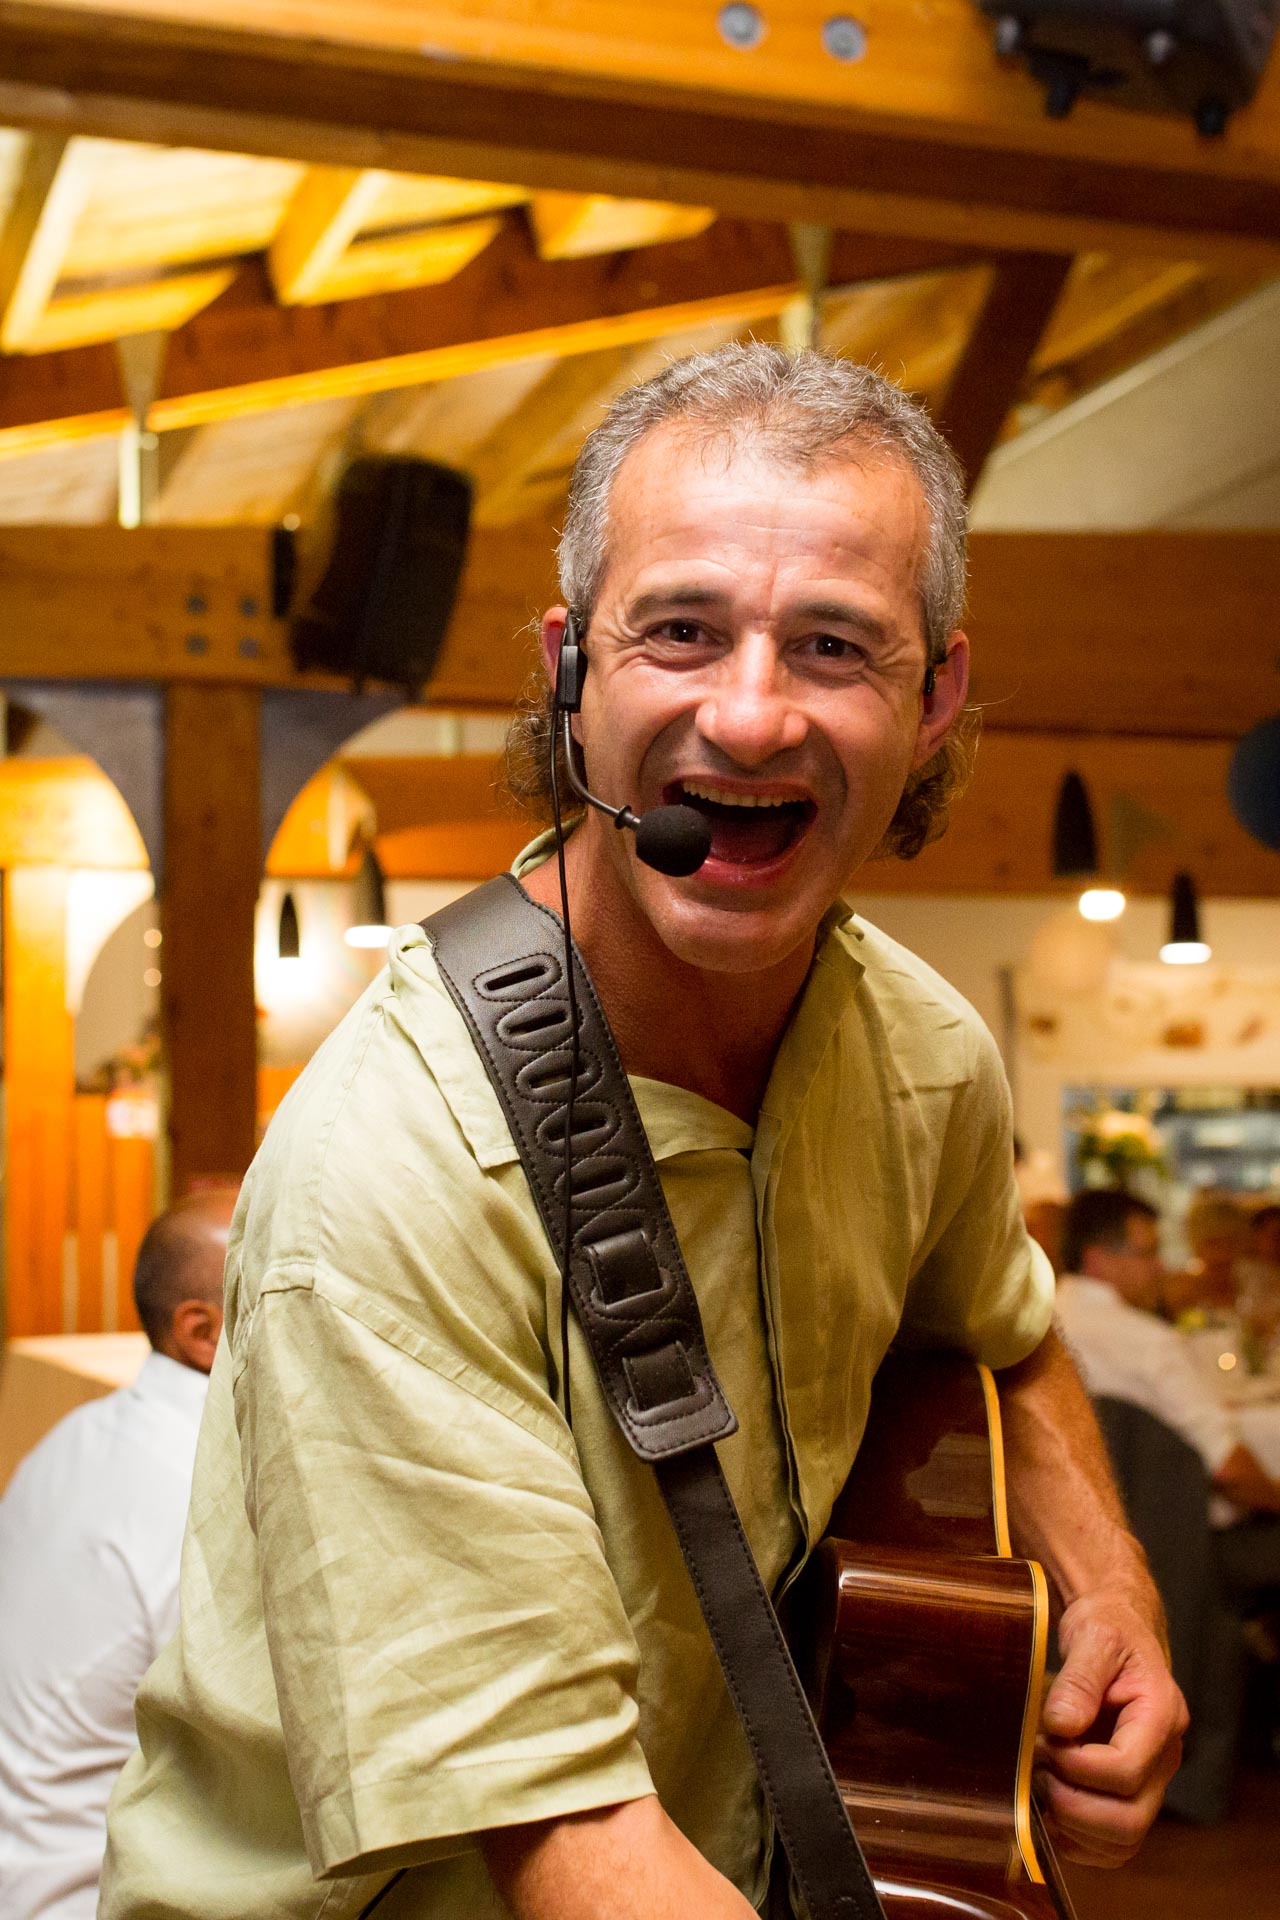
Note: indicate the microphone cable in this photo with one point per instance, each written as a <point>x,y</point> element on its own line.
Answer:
<point>574,1052</point>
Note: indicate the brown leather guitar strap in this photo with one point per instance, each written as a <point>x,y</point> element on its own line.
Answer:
<point>500,957</point>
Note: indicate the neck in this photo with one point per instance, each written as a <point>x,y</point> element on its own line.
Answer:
<point>714,1033</point>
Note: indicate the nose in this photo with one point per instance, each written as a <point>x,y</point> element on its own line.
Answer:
<point>749,711</point>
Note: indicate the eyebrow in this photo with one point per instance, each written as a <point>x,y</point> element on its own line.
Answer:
<point>658,600</point>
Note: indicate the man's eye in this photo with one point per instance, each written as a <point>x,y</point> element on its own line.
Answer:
<point>833,646</point>
<point>683,631</point>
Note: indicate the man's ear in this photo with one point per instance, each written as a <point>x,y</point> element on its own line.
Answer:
<point>553,623</point>
<point>942,707</point>
<point>196,1326</point>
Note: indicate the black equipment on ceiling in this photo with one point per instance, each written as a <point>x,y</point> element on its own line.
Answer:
<point>383,602</point>
<point>1200,57</point>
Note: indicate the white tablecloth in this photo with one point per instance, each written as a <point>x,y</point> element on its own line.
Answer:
<point>1253,1400</point>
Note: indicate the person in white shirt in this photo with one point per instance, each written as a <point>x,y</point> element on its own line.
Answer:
<point>90,1536</point>
<point>1106,1303</point>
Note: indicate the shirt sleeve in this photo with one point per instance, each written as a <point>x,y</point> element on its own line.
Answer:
<point>448,1645</point>
<point>980,1283</point>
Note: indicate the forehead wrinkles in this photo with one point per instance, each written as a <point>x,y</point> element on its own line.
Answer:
<point>716,447</point>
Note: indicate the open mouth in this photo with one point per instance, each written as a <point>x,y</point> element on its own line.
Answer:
<point>747,829</point>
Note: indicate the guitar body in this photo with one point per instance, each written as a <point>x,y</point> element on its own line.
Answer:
<point>921,1643</point>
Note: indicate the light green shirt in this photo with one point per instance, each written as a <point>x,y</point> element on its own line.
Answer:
<point>414,1605</point>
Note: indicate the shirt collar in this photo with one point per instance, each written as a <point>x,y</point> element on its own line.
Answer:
<point>167,1382</point>
<point>675,1119</point>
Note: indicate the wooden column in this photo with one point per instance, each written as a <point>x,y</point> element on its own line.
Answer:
<point>39,1069</point>
<point>210,892</point>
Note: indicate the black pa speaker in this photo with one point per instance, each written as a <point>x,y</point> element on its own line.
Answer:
<point>1201,57</point>
<point>383,602</point>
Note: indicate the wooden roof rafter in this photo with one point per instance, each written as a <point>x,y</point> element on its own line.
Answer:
<point>40,310</point>
<point>323,252</point>
<point>245,354</point>
<point>929,134</point>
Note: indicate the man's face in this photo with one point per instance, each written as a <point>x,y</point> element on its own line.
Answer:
<point>1133,1268</point>
<point>757,650</point>
<point>1266,1238</point>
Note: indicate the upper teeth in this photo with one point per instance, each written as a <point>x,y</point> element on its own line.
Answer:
<point>721,797</point>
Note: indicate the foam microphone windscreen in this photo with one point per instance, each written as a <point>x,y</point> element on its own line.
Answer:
<point>383,603</point>
<point>673,840</point>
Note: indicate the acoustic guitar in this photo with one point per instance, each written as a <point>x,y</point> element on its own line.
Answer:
<point>921,1642</point>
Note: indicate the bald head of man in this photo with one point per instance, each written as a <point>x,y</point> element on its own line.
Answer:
<point>177,1282</point>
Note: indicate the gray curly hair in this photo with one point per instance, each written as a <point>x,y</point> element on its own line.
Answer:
<point>802,409</point>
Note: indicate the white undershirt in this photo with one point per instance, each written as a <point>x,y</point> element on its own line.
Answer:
<point>1131,1355</point>
<point>90,1536</point>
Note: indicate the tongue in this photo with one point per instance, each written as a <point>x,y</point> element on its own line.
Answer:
<point>744,836</point>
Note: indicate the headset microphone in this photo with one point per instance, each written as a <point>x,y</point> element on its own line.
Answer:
<point>672,840</point>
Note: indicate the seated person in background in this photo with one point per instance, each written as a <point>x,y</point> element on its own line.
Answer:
<point>1264,1236</point>
<point>1259,1272</point>
<point>1107,1300</point>
<point>90,1535</point>
<point>1216,1233</point>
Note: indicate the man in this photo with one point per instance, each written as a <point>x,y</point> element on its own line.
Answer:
<point>450,1634</point>
<point>90,1533</point>
<point>1107,1301</point>
<point>1264,1236</point>
<point>1259,1273</point>
<point>1217,1231</point>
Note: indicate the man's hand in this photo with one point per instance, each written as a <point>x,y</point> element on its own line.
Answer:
<point>1112,1731</point>
<point>1114,1719</point>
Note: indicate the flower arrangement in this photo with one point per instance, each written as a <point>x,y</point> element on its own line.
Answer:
<point>1113,1146</point>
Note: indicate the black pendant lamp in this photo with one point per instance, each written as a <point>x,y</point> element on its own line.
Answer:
<point>1075,851</point>
<point>1075,842</point>
<point>1185,947</point>
<point>369,923</point>
<point>289,937</point>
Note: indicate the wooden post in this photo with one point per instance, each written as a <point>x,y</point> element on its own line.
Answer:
<point>39,1057</point>
<point>210,892</point>
<point>91,1187</point>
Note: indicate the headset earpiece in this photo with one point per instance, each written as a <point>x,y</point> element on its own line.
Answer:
<point>929,682</point>
<point>571,668</point>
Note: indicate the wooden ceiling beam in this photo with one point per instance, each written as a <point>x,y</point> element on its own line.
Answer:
<point>154,305</point>
<point>385,262</point>
<point>929,134</point>
<point>1061,377</point>
<point>1103,297</point>
<point>568,225</point>
<point>997,357</point>
<point>1000,839</point>
<point>327,211</point>
<point>193,603</point>
<point>318,254</point>
<point>1134,633</point>
<point>52,185</point>
<point>244,354</point>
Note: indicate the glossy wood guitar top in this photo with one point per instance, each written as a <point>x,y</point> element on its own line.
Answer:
<point>921,1643</point>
